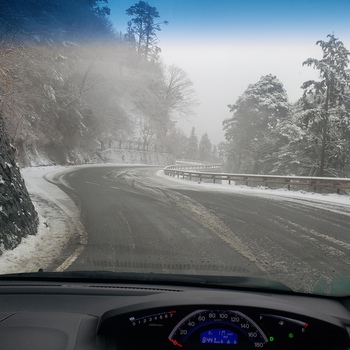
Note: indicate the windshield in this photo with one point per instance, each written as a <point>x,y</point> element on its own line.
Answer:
<point>179,138</point>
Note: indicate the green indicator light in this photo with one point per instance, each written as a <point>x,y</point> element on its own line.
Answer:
<point>272,338</point>
<point>291,335</point>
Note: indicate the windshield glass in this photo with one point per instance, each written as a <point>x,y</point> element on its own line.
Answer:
<point>202,138</point>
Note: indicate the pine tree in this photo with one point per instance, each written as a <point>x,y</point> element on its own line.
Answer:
<point>205,149</point>
<point>326,104</point>
<point>250,131</point>
<point>191,151</point>
<point>143,26</point>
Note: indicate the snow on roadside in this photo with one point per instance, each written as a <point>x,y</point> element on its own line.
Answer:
<point>57,213</point>
<point>58,219</point>
<point>59,216</point>
<point>277,194</point>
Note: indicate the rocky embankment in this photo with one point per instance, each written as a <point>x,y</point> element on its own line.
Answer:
<point>18,217</point>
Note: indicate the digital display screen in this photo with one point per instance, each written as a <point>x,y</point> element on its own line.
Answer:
<point>218,336</point>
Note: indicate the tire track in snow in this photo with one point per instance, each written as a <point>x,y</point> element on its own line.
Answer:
<point>279,248</point>
<point>269,256</point>
<point>196,212</point>
<point>208,220</point>
<point>332,252</point>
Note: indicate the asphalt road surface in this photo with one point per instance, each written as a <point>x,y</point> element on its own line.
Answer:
<point>136,221</point>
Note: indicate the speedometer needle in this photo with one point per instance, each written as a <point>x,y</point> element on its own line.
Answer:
<point>175,342</point>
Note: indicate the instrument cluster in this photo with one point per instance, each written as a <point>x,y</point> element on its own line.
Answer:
<point>221,327</point>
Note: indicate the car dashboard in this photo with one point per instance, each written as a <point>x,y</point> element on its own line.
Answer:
<point>79,315</point>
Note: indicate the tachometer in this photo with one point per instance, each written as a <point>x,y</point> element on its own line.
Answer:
<point>156,318</point>
<point>219,327</point>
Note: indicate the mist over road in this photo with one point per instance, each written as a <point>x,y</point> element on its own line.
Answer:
<point>139,222</point>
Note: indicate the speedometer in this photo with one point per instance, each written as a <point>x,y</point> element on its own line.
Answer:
<point>204,328</point>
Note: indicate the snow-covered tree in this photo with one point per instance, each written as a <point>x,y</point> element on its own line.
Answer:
<point>297,151</point>
<point>179,93</point>
<point>222,149</point>
<point>250,131</point>
<point>215,155</point>
<point>175,142</point>
<point>326,106</point>
<point>205,148</point>
<point>191,151</point>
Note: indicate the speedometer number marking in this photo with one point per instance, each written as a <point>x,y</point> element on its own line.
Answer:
<point>149,319</point>
<point>235,319</point>
<point>259,345</point>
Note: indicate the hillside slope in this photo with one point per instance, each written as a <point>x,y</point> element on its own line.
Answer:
<point>18,217</point>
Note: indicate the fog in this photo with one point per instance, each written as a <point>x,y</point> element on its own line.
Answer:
<point>221,74</point>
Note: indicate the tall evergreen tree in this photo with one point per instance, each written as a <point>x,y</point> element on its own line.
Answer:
<point>249,131</point>
<point>326,103</point>
<point>143,26</point>
<point>205,149</point>
<point>191,151</point>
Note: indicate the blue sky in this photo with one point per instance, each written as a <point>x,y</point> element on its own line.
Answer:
<point>248,16</point>
<point>224,45</point>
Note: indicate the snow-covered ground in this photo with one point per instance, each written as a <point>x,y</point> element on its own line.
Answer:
<point>278,194</point>
<point>57,213</point>
<point>59,217</point>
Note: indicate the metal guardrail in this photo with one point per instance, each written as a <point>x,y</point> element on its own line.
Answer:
<point>303,181</point>
<point>194,166</point>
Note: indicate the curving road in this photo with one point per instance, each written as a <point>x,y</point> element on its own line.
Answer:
<point>136,221</point>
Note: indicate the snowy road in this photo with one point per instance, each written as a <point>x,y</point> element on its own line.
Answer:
<point>136,221</point>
